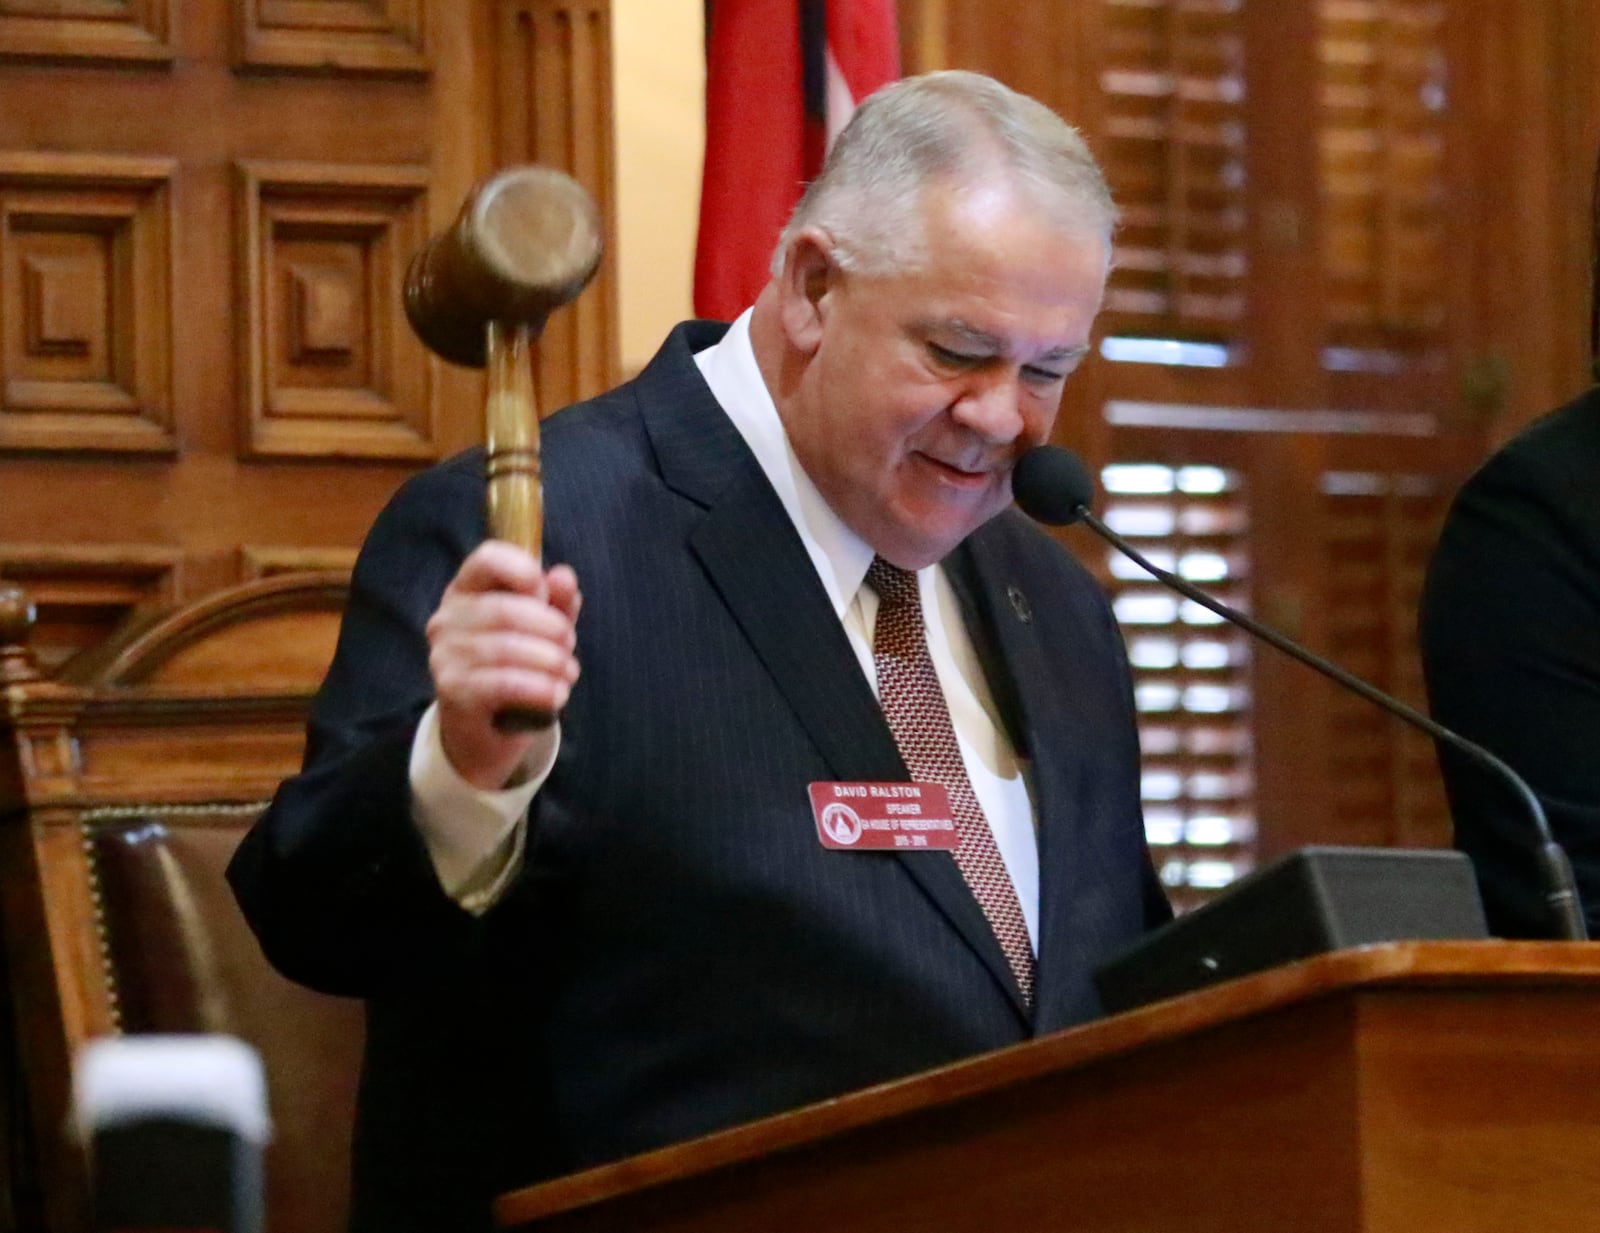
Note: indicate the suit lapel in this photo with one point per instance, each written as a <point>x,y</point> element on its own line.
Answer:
<point>755,559</point>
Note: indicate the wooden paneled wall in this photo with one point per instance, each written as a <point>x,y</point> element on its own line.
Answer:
<point>1533,77</point>
<point>206,211</point>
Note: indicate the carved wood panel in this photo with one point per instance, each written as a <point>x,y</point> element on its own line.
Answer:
<point>326,350</point>
<point>267,561</point>
<point>106,30</point>
<point>202,352</point>
<point>332,36</point>
<point>82,594</point>
<point>85,295</point>
<point>554,106</point>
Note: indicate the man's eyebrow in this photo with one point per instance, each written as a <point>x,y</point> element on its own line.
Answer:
<point>983,341</point>
<point>1062,355</point>
<point>970,334</point>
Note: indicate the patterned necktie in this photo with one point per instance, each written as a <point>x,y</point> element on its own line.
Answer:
<point>914,705</point>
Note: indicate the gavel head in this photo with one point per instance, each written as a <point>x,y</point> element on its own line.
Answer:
<point>527,241</point>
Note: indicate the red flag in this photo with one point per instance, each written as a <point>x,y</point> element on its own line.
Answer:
<point>782,77</point>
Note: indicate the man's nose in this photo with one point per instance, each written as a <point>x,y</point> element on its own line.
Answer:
<point>991,406</point>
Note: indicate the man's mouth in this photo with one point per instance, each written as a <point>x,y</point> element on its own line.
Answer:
<point>964,474</point>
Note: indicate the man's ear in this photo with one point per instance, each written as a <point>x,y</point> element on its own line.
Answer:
<point>809,276</point>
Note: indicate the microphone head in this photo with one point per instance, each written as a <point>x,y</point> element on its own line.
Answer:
<point>1051,485</point>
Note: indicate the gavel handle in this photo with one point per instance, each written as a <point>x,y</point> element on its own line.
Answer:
<point>516,502</point>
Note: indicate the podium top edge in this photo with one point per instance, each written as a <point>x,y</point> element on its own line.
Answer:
<point>1489,966</point>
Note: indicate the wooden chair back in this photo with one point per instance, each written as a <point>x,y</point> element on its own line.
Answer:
<point>125,784</point>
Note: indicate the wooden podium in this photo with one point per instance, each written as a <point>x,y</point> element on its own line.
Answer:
<point>1449,1086</point>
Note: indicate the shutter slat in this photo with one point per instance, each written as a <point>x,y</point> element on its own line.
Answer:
<point>1172,81</point>
<point>1378,531</point>
<point>1191,679</point>
<point>1382,148</point>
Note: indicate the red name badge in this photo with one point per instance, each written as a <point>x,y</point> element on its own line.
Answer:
<point>877,817</point>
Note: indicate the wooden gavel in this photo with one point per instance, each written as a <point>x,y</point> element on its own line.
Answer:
<point>526,242</point>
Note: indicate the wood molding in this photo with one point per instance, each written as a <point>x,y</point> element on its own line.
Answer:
<point>330,368</point>
<point>552,72</point>
<point>86,330</point>
<point>1577,57</point>
<point>332,37</point>
<point>81,594</point>
<point>260,561</point>
<point>228,642</point>
<point>226,680</point>
<point>1532,119</point>
<point>924,35</point>
<point>107,31</point>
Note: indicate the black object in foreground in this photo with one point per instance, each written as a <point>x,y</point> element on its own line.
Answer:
<point>1315,900</point>
<point>175,1127</point>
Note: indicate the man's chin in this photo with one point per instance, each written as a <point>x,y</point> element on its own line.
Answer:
<point>923,541</point>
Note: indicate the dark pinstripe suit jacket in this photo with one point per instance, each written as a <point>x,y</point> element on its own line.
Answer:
<point>680,953</point>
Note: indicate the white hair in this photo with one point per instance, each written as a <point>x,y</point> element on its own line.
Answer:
<point>949,126</point>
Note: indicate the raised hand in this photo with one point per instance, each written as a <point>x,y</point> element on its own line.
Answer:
<point>503,639</point>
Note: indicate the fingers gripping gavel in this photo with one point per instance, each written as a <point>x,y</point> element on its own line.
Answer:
<point>527,241</point>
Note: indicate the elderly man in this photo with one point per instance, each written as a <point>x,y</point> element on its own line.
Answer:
<point>801,579</point>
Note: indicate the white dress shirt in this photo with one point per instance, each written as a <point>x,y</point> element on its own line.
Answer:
<point>476,838</point>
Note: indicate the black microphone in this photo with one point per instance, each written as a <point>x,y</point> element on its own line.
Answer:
<point>1053,486</point>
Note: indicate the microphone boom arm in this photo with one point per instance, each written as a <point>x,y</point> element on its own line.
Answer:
<point>1562,892</point>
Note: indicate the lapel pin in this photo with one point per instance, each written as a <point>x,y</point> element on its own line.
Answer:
<point>1020,604</point>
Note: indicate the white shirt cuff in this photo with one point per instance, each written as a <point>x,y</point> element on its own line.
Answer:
<point>474,838</point>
